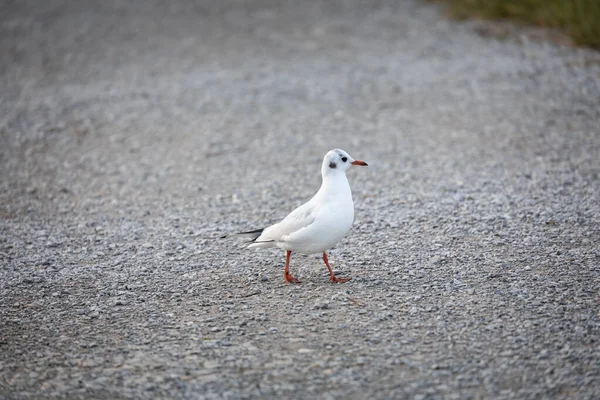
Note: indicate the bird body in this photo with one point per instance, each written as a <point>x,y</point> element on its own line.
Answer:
<point>316,225</point>
<point>319,224</point>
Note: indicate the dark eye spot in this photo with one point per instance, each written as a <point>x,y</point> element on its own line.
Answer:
<point>332,165</point>
<point>344,159</point>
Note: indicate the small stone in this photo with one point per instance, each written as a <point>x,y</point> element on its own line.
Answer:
<point>435,260</point>
<point>458,197</point>
<point>322,306</point>
<point>211,364</point>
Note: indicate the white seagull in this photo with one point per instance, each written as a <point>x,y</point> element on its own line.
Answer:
<point>319,224</point>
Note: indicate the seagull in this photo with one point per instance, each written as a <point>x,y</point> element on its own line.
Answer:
<point>319,224</point>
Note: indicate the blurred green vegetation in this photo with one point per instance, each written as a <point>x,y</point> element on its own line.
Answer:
<point>580,19</point>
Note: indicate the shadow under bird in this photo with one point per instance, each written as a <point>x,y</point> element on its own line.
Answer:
<point>319,224</point>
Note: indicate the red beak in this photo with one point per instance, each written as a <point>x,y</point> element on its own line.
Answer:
<point>358,162</point>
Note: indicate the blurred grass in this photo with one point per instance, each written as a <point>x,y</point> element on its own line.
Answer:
<point>579,19</point>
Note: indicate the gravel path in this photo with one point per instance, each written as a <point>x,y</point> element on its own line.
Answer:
<point>134,132</point>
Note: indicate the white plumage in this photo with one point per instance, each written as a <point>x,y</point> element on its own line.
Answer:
<point>319,224</point>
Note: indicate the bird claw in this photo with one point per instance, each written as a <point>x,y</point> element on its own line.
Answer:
<point>334,279</point>
<point>290,279</point>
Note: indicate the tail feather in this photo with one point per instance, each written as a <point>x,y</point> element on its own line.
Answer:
<point>262,245</point>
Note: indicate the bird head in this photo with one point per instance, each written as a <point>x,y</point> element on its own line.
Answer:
<point>338,160</point>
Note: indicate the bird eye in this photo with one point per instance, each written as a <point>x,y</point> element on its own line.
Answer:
<point>344,159</point>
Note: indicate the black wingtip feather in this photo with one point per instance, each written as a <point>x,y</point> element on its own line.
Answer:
<point>253,235</point>
<point>255,232</point>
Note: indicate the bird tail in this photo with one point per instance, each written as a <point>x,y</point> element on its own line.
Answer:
<point>262,244</point>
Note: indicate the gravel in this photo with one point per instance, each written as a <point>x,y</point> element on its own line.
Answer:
<point>133,134</point>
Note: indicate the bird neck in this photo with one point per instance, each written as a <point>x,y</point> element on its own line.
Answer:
<point>335,184</point>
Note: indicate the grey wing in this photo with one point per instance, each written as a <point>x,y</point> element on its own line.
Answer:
<point>300,218</point>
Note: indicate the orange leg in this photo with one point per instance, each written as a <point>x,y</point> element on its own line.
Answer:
<point>333,278</point>
<point>286,273</point>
